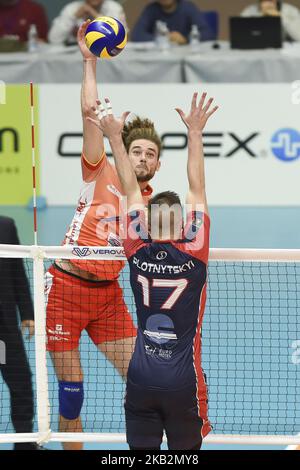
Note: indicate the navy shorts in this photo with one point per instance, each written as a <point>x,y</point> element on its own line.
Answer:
<point>151,412</point>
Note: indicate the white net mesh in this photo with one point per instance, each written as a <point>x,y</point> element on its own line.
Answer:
<point>250,341</point>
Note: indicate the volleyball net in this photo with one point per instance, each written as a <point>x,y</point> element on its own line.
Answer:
<point>250,350</point>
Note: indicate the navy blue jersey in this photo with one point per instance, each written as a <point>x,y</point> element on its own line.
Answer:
<point>168,280</point>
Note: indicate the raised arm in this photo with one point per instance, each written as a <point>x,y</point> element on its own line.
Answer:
<point>195,122</point>
<point>93,143</point>
<point>112,128</point>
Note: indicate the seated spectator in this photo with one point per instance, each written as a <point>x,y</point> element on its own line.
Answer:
<point>290,16</point>
<point>16,17</point>
<point>179,15</point>
<point>65,26</point>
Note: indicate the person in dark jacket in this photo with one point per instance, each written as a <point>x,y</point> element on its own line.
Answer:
<point>15,298</point>
<point>16,16</point>
<point>179,15</point>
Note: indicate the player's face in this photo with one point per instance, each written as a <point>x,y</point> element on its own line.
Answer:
<point>94,3</point>
<point>143,155</point>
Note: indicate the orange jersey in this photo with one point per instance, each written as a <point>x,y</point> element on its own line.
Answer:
<point>97,218</point>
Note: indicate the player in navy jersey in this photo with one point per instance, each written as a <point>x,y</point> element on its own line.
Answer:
<point>166,388</point>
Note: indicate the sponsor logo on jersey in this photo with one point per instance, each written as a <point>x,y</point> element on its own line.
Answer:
<point>163,353</point>
<point>71,389</point>
<point>163,269</point>
<point>156,336</point>
<point>58,334</point>
<point>161,255</point>
<point>160,329</point>
<point>85,201</point>
<point>150,351</point>
<point>114,240</point>
<point>81,206</point>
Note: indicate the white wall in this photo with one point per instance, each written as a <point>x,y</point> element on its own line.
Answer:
<point>245,110</point>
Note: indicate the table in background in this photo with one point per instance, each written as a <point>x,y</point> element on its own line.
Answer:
<point>178,65</point>
<point>224,65</point>
<point>64,65</point>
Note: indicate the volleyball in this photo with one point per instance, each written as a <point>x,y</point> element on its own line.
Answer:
<point>106,37</point>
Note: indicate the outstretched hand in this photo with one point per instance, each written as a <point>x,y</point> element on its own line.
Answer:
<point>86,53</point>
<point>199,114</point>
<point>106,121</point>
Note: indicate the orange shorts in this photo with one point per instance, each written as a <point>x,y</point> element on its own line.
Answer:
<point>74,305</point>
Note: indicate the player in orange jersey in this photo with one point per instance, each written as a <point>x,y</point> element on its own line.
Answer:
<point>85,295</point>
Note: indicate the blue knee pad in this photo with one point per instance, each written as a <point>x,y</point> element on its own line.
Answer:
<point>70,399</point>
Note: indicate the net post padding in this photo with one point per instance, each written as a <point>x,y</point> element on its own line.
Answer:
<point>36,254</point>
<point>42,388</point>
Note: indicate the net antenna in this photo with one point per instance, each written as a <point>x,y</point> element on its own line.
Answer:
<point>39,305</point>
<point>32,108</point>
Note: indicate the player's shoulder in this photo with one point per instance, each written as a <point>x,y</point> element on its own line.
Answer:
<point>103,161</point>
<point>111,170</point>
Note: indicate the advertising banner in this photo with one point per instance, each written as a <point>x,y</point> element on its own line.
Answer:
<point>16,144</point>
<point>252,144</point>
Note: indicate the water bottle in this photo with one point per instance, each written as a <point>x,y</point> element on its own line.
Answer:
<point>195,38</point>
<point>32,39</point>
<point>162,36</point>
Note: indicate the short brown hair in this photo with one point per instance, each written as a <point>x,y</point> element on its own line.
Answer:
<point>156,207</point>
<point>140,129</point>
<point>169,198</point>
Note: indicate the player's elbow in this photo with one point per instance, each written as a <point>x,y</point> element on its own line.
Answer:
<point>197,186</point>
<point>196,195</point>
<point>87,111</point>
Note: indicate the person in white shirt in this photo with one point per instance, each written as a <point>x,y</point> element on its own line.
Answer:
<point>290,16</point>
<point>65,26</point>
